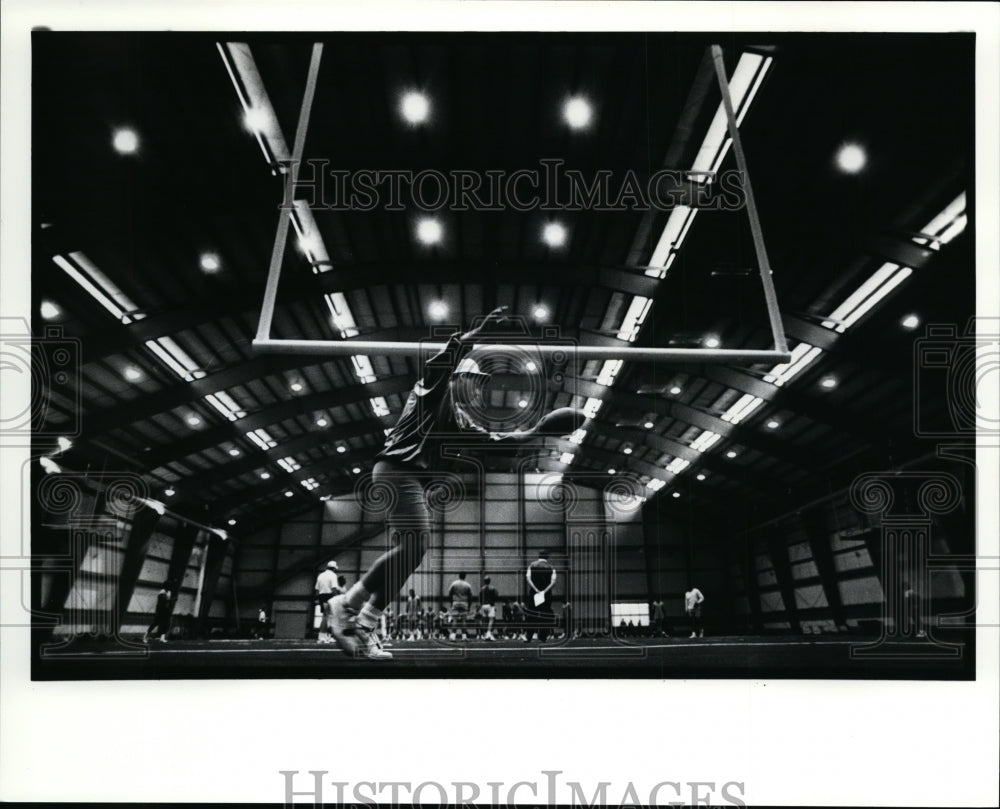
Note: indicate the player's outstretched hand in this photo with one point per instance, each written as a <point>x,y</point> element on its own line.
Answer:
<point>494,318</point>
<point>560,422</point>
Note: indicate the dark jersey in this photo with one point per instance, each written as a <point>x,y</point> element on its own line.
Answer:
<point>540,572</point>
<point>488,595</point>
<point>428,412</point>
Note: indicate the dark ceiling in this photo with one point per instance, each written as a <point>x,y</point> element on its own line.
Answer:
<point>199,183</point>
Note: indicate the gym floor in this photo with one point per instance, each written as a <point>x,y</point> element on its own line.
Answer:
<point>757,657</point>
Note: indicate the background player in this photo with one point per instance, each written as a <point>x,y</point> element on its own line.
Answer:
<point>414,613</point>
<point>488,599</point>
<point>692,608</point>
<point>326,588</point>
<point>541,578</point>
<point>460,595</point>
<point>412,450</point>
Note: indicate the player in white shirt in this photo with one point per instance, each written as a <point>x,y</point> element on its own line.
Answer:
<point>692,608</point>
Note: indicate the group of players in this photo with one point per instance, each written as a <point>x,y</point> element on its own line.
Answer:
<point>464,615</point>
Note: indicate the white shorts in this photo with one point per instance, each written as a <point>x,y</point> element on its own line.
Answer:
<point>488,611</point>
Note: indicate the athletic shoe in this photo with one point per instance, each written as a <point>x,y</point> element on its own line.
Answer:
<point>694,635</point>
<point>341,623</point>
<point>369,644</point>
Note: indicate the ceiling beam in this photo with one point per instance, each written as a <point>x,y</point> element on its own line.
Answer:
<point>346,278</point>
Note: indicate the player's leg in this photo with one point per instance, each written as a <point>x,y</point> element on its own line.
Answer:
<point>409,527</point>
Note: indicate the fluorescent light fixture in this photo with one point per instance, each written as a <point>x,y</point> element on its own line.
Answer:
<point>363,368</point>
<point>656,484</point>
<point>705,440</point>
<point>340,313</point>
<point>379,406</point>
<point>99,286</point>
<point>829,382</point>
<point>321,422</point>
<point>802,355</point>
<point>678,465</point>
<point>49,311</point>
<point>295,387</point>
<point>175,358</point>
<point>578,435</point>
<point>946,225</point>
<point>731,453</point>
<point>125,141</point>
<point>226,405</point>
<point>648,425</point>
<point>627,450</point>
<point>675,390</point>
<point>310,241</point>
<point>743,85</point>
<point>415,107</point>
<point>674,232</point>
<point>743,408</point>
<point>193,420</point>
<point>701,476</point>
<point>289,464</point>
<point>885,279</point>
<point>676,495</point>
<point>156,505</point>
<point>50,466</point>
<point>953,230</point>
<point>554,234</point>
<point>566,457</point>
<point>608,372</point>
<point>910,322</point>
<point>429,231</point>
<point>265,475</point>
<point>634,318</point>
<point>591,408</point>
<point>289,493</point>
<point>258,113</point>
<point>851,158</point>
<point>577,112</point>
<point>773,425</point>
<point>262,439</point>
<point>132,374</point>
<point>234,452</point>
<point>341,449</point>
<point>437,310</point>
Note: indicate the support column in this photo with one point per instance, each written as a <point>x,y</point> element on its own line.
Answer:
<point>778,550</point>
<point>751,584</point>
<point>814,521</point>
<point>144,522</point>
<point>215,556</point>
